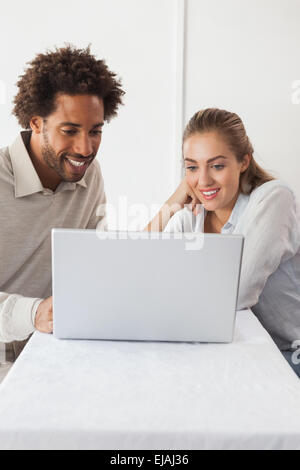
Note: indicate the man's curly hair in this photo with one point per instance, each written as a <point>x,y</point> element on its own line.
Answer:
<point>66,70</point>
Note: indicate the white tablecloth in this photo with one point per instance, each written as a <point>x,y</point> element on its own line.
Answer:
<point>131,395</point>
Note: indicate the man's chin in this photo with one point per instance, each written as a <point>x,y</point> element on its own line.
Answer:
<point>72,179</point>
<point>73,174</point>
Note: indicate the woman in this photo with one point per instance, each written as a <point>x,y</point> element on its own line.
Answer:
<point>226,191</point>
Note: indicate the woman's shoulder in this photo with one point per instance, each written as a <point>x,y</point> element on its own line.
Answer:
<point>271,202</point>
<point>274,188</point>
<point>271,199</point>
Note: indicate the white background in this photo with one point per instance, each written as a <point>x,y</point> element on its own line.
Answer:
<point>241,55</point>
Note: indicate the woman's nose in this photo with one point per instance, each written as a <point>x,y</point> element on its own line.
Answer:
<point>204,180</point>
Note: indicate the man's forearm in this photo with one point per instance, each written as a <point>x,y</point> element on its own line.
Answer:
<point>17,315</point>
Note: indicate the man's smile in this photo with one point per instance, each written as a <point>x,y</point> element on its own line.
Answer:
<point>78,167</point>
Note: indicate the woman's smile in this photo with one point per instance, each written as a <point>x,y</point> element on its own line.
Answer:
<point>211,194</point>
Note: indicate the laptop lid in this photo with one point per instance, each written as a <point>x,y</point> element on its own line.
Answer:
<point>145,286</point>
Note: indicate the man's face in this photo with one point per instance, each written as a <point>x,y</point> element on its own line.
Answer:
<point>71,135</point>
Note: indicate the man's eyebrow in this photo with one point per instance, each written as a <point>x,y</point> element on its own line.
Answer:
<point>100,124</point>
<point>68,123</point>
<point>73,124</point>
<point>208,161</point>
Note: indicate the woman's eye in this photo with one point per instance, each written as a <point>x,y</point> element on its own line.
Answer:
<point>191,168</point>
<point>218,167</point>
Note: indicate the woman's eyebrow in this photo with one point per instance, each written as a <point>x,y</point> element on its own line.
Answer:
<point>215,158</point>
<point>208,161</point>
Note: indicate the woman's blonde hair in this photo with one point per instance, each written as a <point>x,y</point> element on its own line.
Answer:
<point>231,128</point>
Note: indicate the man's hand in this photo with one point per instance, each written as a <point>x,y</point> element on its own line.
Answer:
<point>44,316</point>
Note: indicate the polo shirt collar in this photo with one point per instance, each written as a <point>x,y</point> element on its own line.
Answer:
<point>26,178</point>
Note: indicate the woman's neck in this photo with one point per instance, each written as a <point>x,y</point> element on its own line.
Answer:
<point>221,216</point>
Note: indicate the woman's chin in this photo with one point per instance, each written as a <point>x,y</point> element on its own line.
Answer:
<point>210,205</point>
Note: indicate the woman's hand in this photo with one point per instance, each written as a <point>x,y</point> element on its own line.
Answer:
<point>184,195</point>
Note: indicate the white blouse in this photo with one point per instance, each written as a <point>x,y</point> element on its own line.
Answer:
<point>269,219</point>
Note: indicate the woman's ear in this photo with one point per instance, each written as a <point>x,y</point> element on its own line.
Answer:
<point>245,163</point>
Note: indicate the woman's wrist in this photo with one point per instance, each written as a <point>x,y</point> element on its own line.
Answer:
<point>160,221</point>
<point>173,205</point>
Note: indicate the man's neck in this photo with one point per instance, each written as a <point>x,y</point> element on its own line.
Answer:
<point>49,178</point>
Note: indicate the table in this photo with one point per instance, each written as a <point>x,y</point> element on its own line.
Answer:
<point>135,395</point>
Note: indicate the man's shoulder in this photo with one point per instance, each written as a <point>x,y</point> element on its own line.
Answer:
<point>93,176</point>
<point>5,163</point>
<point>4,155</point>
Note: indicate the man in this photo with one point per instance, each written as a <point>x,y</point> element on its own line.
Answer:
<point>49,178</point>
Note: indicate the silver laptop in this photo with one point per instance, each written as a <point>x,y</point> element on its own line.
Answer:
<point>145,286</point>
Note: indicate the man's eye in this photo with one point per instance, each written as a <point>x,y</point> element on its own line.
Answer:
<point>67,132</point>
<point>96,132</point>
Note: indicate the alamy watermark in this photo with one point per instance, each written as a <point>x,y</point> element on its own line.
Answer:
<point>296,354</point>
<point>135,218</point>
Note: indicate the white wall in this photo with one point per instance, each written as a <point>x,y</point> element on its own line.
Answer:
<point>243,55</point>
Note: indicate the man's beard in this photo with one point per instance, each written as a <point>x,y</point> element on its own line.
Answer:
<point>57,164</point>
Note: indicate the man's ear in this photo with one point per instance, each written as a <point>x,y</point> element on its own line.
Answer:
<point>36,124</point>
<point>246,163</point>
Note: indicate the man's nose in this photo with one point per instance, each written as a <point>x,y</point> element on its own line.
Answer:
<point>83,146</point>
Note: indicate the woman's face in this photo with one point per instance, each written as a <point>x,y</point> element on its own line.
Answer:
<point>212,170</point>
